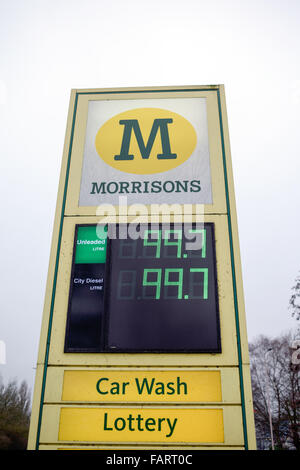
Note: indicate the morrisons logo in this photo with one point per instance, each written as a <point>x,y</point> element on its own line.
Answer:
<point>146,141</point>
<point>145,150</point>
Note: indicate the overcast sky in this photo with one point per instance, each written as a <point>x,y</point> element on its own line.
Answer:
<point>49,47</point>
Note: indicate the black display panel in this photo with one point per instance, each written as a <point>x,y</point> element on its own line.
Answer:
<point>86,308</point>
<point>148,292</point>
<point>85,322</point>
<point>163,295</point>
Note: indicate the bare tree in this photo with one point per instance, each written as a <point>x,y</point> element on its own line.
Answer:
<point>276,392</point>
<point>14,414</point>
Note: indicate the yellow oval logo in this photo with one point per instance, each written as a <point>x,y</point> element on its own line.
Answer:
<point>146,140</point>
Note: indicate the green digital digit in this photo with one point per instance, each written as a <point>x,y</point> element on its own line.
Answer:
<point>194,253</point>
<point>201,284</point>
<point>156,242</point>
<point>168,283</point>
<point>155,274</point>
<point>126,285</point>
<point>177,242</point>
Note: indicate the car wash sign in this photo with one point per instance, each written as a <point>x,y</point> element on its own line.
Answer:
<point>143,342</point>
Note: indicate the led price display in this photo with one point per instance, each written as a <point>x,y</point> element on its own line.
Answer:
<point>160,293</point>
<point>163,291</point>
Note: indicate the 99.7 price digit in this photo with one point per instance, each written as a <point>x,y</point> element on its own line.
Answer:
<point>164,283</point>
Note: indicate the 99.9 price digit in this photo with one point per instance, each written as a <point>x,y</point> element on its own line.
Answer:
<point>158,244</point>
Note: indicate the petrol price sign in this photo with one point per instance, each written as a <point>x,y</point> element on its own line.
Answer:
<point>166,293</point>
<point>154,292</point>
<point>143,342</point>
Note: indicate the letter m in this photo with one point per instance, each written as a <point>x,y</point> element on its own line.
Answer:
<point>133,125</point>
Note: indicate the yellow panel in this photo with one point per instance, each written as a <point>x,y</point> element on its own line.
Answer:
<point>142,386</point>
<point>142,425</point>
<point>232,419</point>
<point>226,309</point>
<point>214,136</point>
<point>45,416</point>
<point>229,380</point>
<point>122,447</point>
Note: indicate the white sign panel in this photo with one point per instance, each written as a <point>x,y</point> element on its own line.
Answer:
<point>149,150</point>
